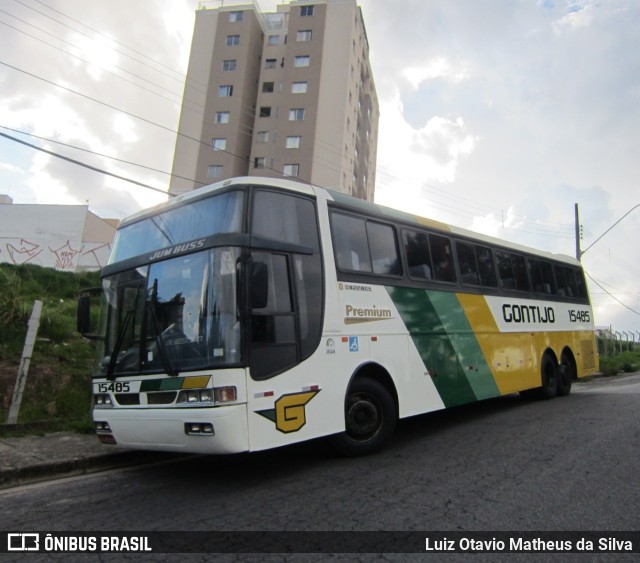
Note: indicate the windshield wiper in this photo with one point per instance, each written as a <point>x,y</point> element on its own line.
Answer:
<point>162,350</point>
<point>116,349</point>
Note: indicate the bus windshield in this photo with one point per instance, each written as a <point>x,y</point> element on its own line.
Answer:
<point>176,315</point>
<point>214,215</point>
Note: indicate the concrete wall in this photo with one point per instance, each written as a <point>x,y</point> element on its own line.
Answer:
<point>64,237</point>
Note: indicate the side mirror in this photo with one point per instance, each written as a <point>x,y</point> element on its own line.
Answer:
<point>259,285</point>
<point>83,312</point>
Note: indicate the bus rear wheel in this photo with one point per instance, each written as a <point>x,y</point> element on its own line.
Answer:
<point>549,373</point>
<point>566,375</point>
<point>370,419</point>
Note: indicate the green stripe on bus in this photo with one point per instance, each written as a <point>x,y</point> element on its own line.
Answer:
<point>446,343</point>
<point>466,345</point>
<point>172,384</point>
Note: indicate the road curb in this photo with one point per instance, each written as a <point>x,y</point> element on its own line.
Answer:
<point>48,470</point>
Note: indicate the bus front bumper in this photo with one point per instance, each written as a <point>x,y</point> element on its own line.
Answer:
<point>214,430</point>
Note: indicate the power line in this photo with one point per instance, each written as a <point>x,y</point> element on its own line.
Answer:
<point>103,155</point>
<point>98,32</point>
<point>611,295</point>
<point>175,101</point>
<point>94,168</point>
<point>144,119</point>
<point>164,127</point>
<point>90,37</point>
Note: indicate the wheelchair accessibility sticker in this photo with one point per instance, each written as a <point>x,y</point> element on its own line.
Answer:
<point>353,344</point>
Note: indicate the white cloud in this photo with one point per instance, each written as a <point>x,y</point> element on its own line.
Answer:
<point>7,167</point>
<point>47,189</point>
<point>125,127</point>
<point>579,16</point>
<point>99,51</point>
<point>436,68</point>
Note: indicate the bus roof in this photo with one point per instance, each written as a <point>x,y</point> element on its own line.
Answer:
<point>347,202</point>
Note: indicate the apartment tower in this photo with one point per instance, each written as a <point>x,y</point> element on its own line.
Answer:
<point>283,94</point>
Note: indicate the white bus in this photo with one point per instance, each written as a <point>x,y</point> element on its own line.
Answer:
<point>256,313</point>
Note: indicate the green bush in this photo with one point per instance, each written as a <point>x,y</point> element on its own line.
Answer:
<point>609,366</point>
<point>623,362</point>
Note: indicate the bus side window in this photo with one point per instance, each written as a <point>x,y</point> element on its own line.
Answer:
<point>285,218</point>
<point>567,286</point>
<point>467,264</point>
<point>582,286</point>
<point>505,270</point>
<point>486,268</point>
<point>520,272</point>
<point>350,243</point>
<point>512,271</point>
<point>416,249</point>
<point>541,275</point>
<point>383,249</point>
<point>442,259</point>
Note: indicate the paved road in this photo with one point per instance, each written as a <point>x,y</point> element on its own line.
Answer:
<point>509,464</point>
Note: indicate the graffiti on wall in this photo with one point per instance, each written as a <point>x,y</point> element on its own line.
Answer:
<point>63,255</point>
<point>66,257</point>
<point>25,252</point>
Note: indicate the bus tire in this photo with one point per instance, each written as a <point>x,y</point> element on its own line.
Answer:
<point>549,373</point>
<point>566,374</point>
<point>370,419</point>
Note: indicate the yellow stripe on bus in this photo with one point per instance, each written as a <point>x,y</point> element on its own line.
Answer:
<point>198,382</point>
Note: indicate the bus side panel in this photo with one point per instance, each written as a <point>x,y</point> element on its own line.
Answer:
<point>372,322</point>
<point>510,356</point>
<point>514,350</point>
<point>446,343</point>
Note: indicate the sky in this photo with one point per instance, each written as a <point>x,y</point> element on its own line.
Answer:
<point>496,116</point>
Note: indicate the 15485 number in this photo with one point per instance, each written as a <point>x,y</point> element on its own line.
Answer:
<point>114,386</point>
<point>579,316</point>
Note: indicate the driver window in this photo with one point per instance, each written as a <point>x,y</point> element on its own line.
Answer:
<point>273,327</point>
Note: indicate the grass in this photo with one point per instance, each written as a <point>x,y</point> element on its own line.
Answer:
<point>58,389</point>
<point>613,364</point>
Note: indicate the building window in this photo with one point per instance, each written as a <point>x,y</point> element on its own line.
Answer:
<point>299,88</point>
<point>262,137</point>
<point>233,40</point>
<point>225,90</point>
<point>293,142</point>
<point>267,87</point>
<point>306,11</point>
<point>222,117</point>
<point>229,64</point>
<point>291,169</point>
<point>296,114</point>
<point>304,35</point>
<point>270,63</point>
<point>259,162</point>
<point>301,60</point>
<point>219,144</point>
<point>265,111</point>
<point>273,40</point>
<point>214,171</point>
<point>235,16</point>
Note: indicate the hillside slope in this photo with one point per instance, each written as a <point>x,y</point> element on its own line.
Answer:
<point>58,387</point>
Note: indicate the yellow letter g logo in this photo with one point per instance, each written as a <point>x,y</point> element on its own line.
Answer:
<point>290,413</point>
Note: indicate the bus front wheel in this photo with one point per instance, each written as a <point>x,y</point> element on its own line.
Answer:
<point>370,419</point>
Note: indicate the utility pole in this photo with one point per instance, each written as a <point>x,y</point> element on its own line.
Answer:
<point>578,232</point>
